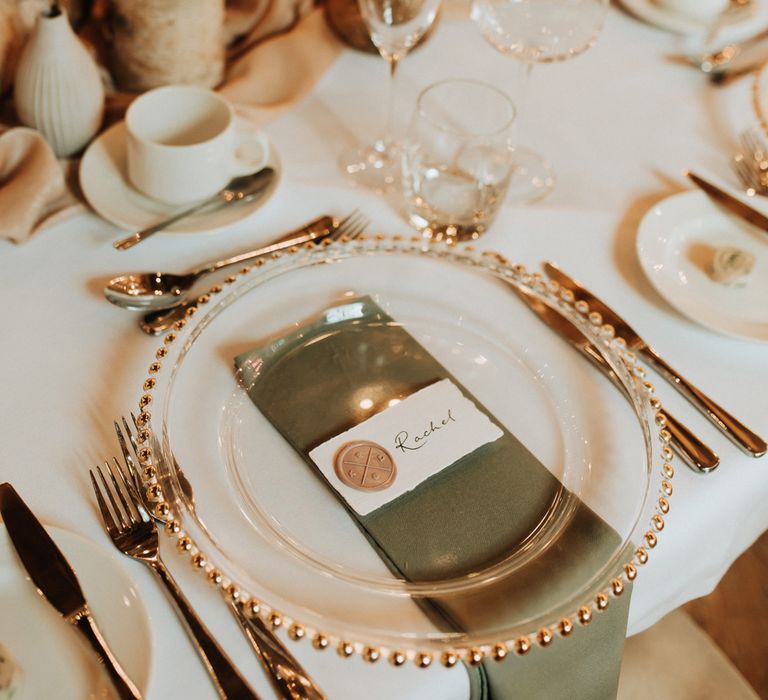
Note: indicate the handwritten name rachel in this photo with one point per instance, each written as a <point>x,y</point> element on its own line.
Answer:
<point>418,441</point>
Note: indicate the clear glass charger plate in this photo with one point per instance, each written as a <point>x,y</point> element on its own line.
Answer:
<point>263,526</point>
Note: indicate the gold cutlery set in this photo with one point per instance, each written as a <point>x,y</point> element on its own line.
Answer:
<point>129,518</point>
<point>286,673</point>
<point>693,451</point>
<point>690,448</point>
<point>134,534</point>
<point>164,298</point>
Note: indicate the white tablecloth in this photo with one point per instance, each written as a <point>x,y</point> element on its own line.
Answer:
<point>620,123</point>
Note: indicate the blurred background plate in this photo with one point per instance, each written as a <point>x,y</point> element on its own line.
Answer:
<point>740,26</point>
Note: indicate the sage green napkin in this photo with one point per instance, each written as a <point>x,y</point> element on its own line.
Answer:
<point>463,519</point>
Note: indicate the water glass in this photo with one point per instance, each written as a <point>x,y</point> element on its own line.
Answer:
<point>457,159</point>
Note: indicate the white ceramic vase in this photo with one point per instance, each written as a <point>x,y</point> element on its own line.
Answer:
<point>58,89</point>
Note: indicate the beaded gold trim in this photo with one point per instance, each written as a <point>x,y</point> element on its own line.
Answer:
<point>474,655</point>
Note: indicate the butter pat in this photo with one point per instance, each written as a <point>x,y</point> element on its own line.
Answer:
<point>731,266</point>
<point>10,674</point>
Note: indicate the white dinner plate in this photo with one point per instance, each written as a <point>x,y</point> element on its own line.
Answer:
<point>104,181</point>
<point>741,26</point>
<point>675,243</point>
<point>55,661</point>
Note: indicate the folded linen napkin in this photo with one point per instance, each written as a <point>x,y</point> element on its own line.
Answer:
<point>274,75</point>
<point>249,22</point>
<point>462,519</point>
<point>33,185</point>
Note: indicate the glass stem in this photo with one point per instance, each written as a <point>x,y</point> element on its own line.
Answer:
<point>393,62</point>
<point>523,101</point>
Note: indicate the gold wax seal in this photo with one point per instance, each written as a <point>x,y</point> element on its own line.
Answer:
<point>365,465</point>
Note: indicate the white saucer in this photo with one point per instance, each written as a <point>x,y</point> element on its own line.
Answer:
<point>741,26</point>
<point>55,661</point>
<point>675,242</point>
<point>105,185</point>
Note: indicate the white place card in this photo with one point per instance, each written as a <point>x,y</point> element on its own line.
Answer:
<point>423,434</point>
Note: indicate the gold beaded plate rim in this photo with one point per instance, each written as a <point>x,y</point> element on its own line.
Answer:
<point>448,655</point>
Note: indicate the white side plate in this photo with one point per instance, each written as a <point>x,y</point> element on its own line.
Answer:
<point>675,243</point>
<point>55,661</point>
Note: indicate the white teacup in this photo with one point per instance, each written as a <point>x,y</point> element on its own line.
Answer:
<point>183,145</point>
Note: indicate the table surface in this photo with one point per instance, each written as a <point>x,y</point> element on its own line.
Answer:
<point>620,124</point>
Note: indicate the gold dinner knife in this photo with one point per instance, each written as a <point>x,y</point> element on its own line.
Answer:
<point>688,446</point>
<point>731,203</point>
<point>732,428</point>
<point>57,582</point>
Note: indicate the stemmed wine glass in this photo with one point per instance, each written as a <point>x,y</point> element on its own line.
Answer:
<point>395,26</point>
<point>538,31</point>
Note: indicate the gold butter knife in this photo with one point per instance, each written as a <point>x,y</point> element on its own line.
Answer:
<point>695,453</point>
<point>731,203</point>
<point>751,443</point>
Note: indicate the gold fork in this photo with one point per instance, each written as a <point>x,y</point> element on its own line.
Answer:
<point>157,322</point>
<point>286,673</point>
<point>134,534</point>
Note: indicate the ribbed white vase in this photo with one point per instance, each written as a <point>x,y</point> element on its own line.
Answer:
<point>58,89</point>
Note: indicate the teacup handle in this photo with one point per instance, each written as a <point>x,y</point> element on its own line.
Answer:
<point>243,163</point>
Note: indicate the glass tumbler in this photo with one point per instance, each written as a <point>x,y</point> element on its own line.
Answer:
<point>457,159</point>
